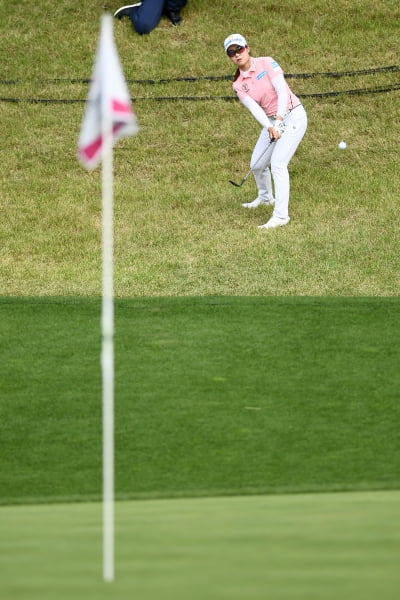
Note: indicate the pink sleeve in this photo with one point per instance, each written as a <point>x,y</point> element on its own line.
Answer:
<point>273,68</point>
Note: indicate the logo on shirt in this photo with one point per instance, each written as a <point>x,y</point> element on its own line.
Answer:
<point>275,65</point>
<point>261,75</point>
<point>245,87</point>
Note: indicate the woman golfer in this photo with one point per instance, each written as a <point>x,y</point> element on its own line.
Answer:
<point>261,87</point>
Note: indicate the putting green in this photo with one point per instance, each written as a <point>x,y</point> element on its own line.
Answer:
<point>322,546</point>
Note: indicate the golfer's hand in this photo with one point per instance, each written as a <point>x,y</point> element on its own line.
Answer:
<point>276,130</point>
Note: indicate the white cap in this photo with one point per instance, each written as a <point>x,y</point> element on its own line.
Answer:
<point>234,38</point>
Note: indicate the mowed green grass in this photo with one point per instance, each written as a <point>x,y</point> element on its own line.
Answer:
<point>308,547</point>
<point>213,396</point>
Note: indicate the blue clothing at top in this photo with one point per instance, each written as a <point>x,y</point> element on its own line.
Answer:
<point>147,16</point>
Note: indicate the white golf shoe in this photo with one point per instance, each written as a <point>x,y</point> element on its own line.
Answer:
<point>258,202</point>
<point>274,222</point>
<point>124,11</point>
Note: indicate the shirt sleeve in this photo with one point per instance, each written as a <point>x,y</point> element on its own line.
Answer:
<point>256,111</point>
<point>280,87</point>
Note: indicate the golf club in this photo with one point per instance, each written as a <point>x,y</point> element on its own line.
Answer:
<point>247,174</point>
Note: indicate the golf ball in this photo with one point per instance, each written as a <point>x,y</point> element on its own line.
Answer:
<point>342,145</point>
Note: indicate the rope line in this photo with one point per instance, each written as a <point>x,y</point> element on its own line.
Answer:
<point>332,74</point>
<point>353,92</point>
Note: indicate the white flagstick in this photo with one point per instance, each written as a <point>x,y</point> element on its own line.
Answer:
<point>108,117</point>
<point>108,350</point>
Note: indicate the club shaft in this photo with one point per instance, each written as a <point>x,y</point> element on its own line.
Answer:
<point>251,169</point>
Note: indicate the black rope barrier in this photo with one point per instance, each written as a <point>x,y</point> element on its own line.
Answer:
<point>353,92</point>
<point>331,74</point>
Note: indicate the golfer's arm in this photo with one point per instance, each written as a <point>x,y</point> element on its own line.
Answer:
<point>280,87</point>
<point>256,111</point>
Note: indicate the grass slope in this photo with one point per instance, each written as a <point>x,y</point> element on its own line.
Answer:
<point>305,547</point>
<point>180,228</point>
<point>213,396</point>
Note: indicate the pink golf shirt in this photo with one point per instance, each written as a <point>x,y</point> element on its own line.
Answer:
<point>256,83</point>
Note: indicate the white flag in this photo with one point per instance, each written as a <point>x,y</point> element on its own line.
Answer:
<point>108,99</point>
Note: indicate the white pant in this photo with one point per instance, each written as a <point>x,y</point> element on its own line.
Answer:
<point>276,156</point>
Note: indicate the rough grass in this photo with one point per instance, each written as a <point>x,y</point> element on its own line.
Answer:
<point>180,229</point>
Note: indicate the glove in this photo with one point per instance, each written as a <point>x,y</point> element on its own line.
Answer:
<point>279,126</point>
